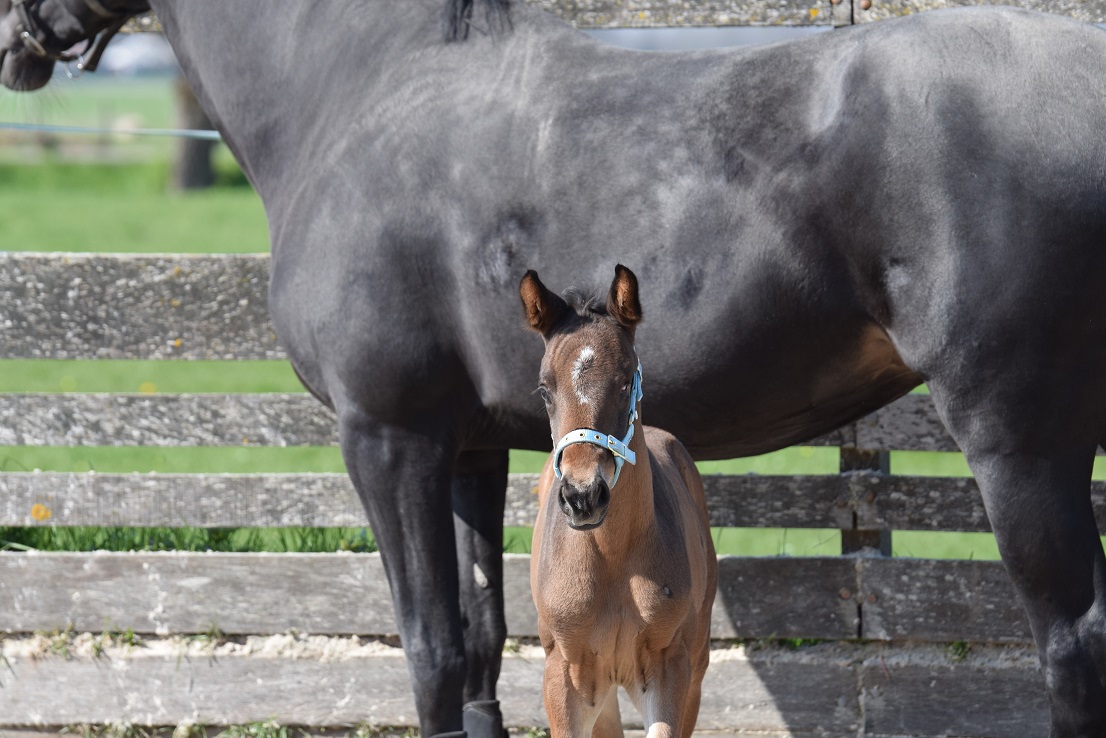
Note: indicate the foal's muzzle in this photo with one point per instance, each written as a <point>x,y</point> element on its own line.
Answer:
<point>584,507</point>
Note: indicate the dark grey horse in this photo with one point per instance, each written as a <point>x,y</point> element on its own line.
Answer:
<point>823,223</point>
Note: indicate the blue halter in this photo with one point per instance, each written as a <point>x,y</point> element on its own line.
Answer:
<point>620,449</point>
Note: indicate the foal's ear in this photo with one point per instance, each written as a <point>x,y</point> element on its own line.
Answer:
<point>543,308</point>
<point>622,302</point>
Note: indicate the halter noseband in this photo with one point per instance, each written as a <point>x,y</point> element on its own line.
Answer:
<point>620,449</point>
<point>88,59</point>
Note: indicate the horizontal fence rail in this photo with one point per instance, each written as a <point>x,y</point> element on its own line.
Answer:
<point>830,598</point>
<point>823,690</point>
<point>665,13</point>
<point>135,307</point>
<point>299,420</point>
<point>597,14</point>
<point>868,500</point>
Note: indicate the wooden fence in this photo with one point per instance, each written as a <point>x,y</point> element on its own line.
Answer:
<point>885,667</point>
<point>308,639</point>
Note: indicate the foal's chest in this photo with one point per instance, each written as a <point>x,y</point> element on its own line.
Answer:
<point>614,612</point>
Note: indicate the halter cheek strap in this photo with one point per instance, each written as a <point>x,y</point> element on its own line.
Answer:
<point>87,60</point>
<point>619,448</point>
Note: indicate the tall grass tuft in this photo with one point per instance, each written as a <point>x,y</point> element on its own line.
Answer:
<point>228,540</point>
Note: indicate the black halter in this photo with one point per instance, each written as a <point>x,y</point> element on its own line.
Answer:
<point>88,59</point>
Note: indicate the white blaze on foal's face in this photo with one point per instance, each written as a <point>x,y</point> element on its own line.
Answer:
<point>585,357</point>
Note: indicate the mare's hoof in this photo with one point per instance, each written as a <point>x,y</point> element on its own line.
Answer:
<point>483,719</point>
<point>455,734</point>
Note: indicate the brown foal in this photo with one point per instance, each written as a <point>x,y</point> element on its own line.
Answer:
<point>623,570</point>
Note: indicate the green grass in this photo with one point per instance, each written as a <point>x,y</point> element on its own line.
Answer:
<point>194,460</point>
<point>937,464</point>
<point>147,377</point>
<point>232,540</point>
<point>90,101</point>
<point>78,193</point>
<point>123,208</point>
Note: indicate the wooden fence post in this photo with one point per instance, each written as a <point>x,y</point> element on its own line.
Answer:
<point>864,459</point>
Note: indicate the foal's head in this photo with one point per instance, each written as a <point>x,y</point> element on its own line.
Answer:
<point>587,382</point>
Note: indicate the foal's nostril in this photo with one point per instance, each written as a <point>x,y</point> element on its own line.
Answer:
<point>603,498</point>
<point>585,507</point>
<point>575,502</point>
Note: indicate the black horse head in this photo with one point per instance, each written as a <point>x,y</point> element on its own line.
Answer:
<point>34,34</point>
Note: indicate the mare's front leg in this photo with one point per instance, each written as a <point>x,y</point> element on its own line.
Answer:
<point>479,493</point>
<point>403,476</point>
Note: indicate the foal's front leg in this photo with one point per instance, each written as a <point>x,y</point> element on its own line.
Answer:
<point>665,698</point>
<point>573,698</point>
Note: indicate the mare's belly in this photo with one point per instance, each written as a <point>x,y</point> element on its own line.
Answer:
<point>795,399</point>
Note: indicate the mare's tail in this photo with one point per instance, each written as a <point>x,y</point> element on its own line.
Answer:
<point>457,18</point>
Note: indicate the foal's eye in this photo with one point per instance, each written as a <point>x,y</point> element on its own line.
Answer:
<point>625,388</point>
<point>545,396</point>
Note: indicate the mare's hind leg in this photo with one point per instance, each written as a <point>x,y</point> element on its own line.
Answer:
<point>403,477</point>
<point>479,491</point>
<point>1036,491</point>
<point>1041,512</point>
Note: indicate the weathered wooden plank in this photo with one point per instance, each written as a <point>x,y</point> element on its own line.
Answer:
<point>333,682</point>
<point>781,597</point>
<point>348,594</point>
<point>274,419</point>
<point>298,419</point>
<point>317,681</point>
<point>736,501</point>
<point>1089,11</point>
<point>236,594</point>
<point>78,306</point>
<point>653,13</point>
<point>674,13</point>
<point>165,420</point>
<point>667,13</point>
<point>328,500</point>
<point>932,503</point>
<point>244,594</point>
<point>927,600</point>
<point>753,501</point>
<point>184,500</point>
<point>193,593</point>
<point>908,424</point>
<point>996,692</point>
<point>917,503</point>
